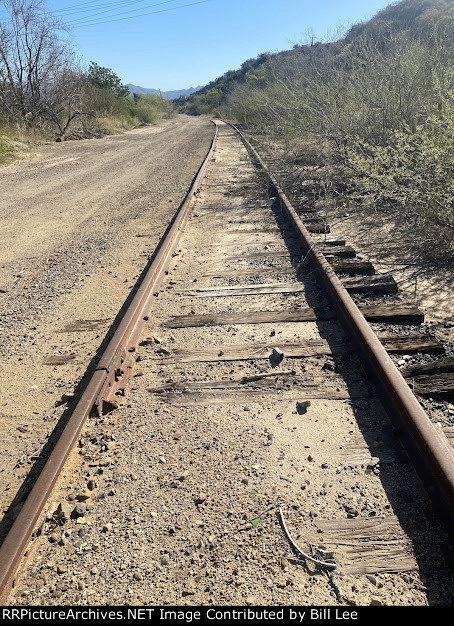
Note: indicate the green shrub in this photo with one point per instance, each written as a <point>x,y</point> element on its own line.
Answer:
<point>414,174</point>
<point>150,108</point>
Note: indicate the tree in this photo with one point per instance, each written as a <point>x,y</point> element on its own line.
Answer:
<point>105,78</point>
<point>65,100</point>
<point>32,55</point>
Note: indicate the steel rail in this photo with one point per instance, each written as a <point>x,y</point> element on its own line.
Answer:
<point>429,449</point>
<point>109,376</point>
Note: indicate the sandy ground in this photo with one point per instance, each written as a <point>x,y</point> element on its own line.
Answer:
<point>79,222</point>
<point>178,502</point>
<point>377,238</point>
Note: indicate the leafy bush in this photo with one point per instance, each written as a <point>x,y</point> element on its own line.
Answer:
<point>379,103</point>
<point>150,108</point>
<point>414,174</point>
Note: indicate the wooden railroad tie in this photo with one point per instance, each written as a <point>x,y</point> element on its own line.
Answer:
<point>398,314</point>
<point>435,378</point>
<point>382,283</point>
<point>417,342</point>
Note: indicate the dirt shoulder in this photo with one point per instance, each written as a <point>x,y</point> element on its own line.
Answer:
<point>79,222</point>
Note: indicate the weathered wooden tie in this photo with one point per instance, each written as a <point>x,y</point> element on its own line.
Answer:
<point>238,396</point>
<point>381,283</point>
<point>294,349</point>
<point>416,342</point>
<point>246,290</point>
<point>431,379</point>
<point>351,266</point>
<point>376,283</point>
<point>401,314</point>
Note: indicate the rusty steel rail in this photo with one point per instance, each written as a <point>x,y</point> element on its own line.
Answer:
<point>428,447</point>
<point>105,383</point>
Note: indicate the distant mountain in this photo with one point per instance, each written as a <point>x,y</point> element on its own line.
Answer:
<point>168,95</point>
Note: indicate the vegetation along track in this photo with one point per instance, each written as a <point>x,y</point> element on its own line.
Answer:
<point>235,444</point>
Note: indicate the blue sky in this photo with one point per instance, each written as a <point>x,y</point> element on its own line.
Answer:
<point>177,44</point>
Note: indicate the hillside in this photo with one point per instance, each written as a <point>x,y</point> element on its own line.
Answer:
<point>375,109</point>
<point>411,18</point>
<point>168,95</point>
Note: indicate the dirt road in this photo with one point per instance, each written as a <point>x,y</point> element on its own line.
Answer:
<point>79,221</point>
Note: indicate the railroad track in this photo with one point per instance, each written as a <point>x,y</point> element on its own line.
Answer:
<point>255,324</point>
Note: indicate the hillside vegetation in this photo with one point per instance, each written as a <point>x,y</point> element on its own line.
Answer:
<point>376,106</point>
<point>44,94</point>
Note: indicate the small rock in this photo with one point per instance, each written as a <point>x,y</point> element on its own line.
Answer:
<point>352,511</point>
<point>83,495</point>
<point>201,498</point>
<point>79,511</point>
<point>188,592</point>
<point>138,576</point>
<point>406,578</point>
<point>64,510</point>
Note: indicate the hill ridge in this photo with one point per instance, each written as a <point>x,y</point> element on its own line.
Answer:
<point>168,95</point>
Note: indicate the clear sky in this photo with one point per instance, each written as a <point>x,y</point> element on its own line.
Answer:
<point>177,44</point>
